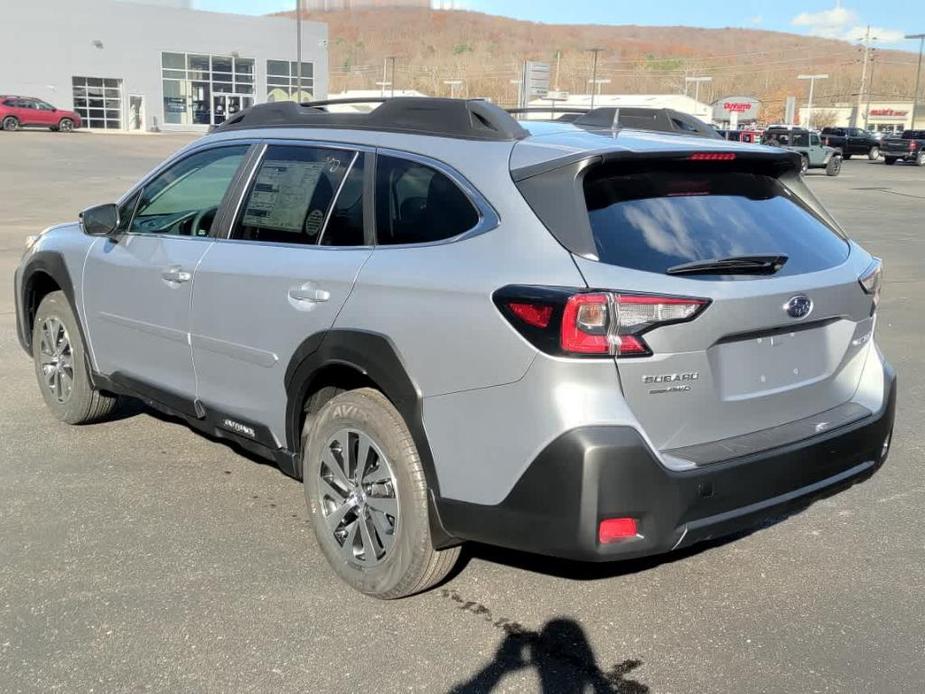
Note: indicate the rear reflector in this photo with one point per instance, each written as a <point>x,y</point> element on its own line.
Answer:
<point>616,529</point>
<point>712,156</point>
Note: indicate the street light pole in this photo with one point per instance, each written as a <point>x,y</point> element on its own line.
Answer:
<point>298,48</point>
<point>918,74</point>
<point>594,52</point>
<point>809,106</point>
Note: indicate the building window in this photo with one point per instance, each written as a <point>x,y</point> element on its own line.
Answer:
<point>204,89</point>
<point>98,101</point>
<point>283,81</point>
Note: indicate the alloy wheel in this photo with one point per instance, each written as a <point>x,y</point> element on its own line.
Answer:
<point>66,126</point>
<point>57,359</point>
<point>358,496</point>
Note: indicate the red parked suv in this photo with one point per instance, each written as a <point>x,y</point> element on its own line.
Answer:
<point>21,111</point>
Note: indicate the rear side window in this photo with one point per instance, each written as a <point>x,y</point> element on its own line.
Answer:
<point>292,193</point>
<point>415,203</point>
<point>654,220</point>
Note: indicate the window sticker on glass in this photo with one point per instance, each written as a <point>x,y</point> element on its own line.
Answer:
<point>282,194</point>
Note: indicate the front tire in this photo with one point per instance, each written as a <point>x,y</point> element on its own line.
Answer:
<point>367,494</point>
<point>10,123</point>
<point>61,365</point>
<point>833,168</point>
<point>66,125</point>
<point>874,153</point>
<point>920,159</point>
<point>804,164</point>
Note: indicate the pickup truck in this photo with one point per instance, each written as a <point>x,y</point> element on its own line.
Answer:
<point>910,147</point>
<point>851,141</point>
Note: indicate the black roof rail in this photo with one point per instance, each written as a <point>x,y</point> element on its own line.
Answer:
<point>469,119</point>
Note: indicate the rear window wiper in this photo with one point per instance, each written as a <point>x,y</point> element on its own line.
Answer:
<point>734,265</point>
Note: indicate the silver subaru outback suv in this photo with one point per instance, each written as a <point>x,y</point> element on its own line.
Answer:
<point>571,338</point>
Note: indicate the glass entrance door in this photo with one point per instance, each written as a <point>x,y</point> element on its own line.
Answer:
<point>225,105</point>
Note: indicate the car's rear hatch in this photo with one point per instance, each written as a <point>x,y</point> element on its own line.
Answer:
<point>779,344</point>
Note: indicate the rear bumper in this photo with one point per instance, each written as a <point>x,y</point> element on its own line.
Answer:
<point>598,472</point>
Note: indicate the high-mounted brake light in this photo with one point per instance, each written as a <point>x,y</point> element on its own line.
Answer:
<point>576,323</point>
<point>712,156</point>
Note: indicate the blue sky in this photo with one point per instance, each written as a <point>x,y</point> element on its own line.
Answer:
<point>843,19</point>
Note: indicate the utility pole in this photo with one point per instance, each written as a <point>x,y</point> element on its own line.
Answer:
<point>298,48</point>
<point>558,65</point>
<point>866,41</point>
<point>809,105</point>
<point>696,81</point>
<point>918,74</point>
<point>870,87</point>
<point>594,52</point>
<point>391,59</point>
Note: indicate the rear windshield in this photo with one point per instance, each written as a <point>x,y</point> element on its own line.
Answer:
<point>655,220</point>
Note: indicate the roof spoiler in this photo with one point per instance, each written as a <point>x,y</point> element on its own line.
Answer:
<point>776,161</point>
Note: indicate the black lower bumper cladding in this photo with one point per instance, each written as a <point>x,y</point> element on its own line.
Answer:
<point>592,473</point>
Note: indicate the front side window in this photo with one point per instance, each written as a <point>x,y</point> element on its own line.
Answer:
<point>292,192</point>
<point>184,199</point>
<point>415,203</point>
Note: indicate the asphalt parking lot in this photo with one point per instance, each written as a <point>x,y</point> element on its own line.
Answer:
<point>137,554</point>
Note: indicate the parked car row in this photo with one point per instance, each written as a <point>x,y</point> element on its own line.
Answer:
<point>25,111</point>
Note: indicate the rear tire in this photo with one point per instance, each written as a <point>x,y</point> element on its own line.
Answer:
<point>10,123</point>
<point>804,164</point>
<point>370,511</point>
<point>61,365</point>
<point>833,168</point>
<point>874,153</point>
<point>920,159</point>
<point>889,161</point>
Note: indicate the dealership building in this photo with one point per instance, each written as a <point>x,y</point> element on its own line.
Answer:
<point>151,64</point>
<point>879,116</point>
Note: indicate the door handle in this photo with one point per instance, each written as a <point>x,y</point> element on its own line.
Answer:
<point>309,292</point>
<point>176,275</point>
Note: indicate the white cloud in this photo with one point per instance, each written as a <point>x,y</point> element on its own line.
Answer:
<point>881,34</point>
<point>842,23</point>
<point>756,20</point>
<point>828,23</point>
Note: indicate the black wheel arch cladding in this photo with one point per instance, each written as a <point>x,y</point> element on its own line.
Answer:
<point>374,356</point>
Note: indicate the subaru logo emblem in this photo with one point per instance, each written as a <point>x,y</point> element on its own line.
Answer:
<point>799,306</point>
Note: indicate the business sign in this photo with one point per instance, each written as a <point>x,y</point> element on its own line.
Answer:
<point>175,104</point>
<point>745,108</point>
<point>887,112</point>
<point>536,79</point>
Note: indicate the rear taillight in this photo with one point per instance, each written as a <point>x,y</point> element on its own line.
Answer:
<point>870,280</point>
<point>913,145</point>
<point>592,323</point>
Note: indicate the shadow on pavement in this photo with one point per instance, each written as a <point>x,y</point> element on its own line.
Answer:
<point>563,660</point>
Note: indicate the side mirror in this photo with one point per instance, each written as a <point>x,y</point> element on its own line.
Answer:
<point>102,220</point>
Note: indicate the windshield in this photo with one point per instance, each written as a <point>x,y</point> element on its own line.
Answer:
<point>659,219</point>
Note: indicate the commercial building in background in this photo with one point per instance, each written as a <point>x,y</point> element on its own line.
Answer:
<point>736,112</point>
<point>135,65</point>
<point>882,116</point>
<point>678,102</point>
